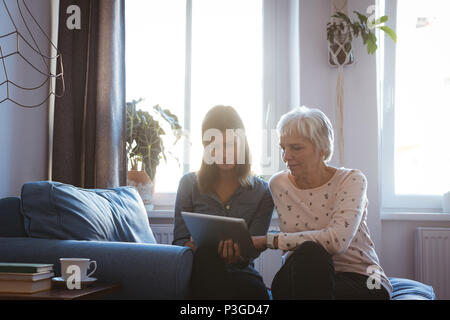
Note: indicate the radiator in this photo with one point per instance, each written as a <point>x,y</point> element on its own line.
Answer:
<point>163,233</point>
<point>433,259</point>
<point>268,263</point>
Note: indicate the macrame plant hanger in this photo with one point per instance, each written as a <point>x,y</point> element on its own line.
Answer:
<point>20,43</point>
<point>340,57</point>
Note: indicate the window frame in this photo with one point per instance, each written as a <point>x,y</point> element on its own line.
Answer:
<point>390,202</point>
<point>281,76</point>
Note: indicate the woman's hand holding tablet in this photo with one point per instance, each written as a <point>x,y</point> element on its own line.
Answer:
<point>230,252</point>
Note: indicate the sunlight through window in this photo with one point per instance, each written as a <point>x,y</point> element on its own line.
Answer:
<point>422,101</point>
<point>226,69</point>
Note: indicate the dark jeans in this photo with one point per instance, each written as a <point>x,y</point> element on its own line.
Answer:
<point>212,278</point>
<point>309,274</point>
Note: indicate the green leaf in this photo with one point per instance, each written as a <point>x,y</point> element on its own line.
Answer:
<point>356,29</point>
<point>383,19</point>
<point>364,36</point>
<point>343,16</point>
<point>363,18</point>
<point>391,33</point>
<point>371,46</point>
<point>372,37</point>
<point>376,23</point>
<point>371,43</point>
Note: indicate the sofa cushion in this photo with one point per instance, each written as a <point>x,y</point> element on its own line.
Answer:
<point>11,221</point>
<point>406,289</point>
<point>54,210</point>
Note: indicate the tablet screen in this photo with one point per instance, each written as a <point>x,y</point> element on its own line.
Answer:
<point>209,230</point>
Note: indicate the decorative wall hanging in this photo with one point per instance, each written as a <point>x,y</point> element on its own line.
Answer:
<point>340,33</point>
<point>340,54</point>
<point>14,46</point>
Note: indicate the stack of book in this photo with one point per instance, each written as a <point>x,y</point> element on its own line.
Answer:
<point>25,277</point>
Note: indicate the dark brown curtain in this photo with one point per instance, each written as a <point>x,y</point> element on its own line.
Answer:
<point>90,119</point>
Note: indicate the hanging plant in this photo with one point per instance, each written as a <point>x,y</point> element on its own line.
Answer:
<point>340,34</point>
<point>342,31</point>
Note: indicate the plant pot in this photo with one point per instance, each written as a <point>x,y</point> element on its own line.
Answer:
<point>144,185</point>
<point>340,51</point>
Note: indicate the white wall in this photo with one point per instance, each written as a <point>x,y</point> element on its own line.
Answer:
<point>23,132</point>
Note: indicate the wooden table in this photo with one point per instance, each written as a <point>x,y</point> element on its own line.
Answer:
<point>61,293</point>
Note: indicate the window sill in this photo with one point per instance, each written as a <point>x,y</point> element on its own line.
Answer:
<point>160,214</point>
<point>414,216</point>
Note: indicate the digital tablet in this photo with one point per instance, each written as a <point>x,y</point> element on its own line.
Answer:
<point>208,230</point>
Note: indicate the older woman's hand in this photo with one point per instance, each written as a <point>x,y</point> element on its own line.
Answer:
<point>260,243</point>
<point>190,244</point>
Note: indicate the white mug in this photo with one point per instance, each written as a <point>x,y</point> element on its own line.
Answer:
<point>68,265</point>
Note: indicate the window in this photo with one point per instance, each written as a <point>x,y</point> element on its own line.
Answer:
<point>155,67</point>
<point>189,56</point>
<point>226,67</point>
<point>416,106</point>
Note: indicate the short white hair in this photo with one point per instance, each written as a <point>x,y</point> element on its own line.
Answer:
<point>309,123</point>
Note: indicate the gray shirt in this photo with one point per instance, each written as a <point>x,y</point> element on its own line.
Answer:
<point>254,204</point>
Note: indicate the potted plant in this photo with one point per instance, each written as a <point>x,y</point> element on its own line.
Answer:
<point>145,147</point>
<point>342,31</point>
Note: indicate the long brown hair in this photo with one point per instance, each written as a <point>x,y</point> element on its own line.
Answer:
<point>223,118</point>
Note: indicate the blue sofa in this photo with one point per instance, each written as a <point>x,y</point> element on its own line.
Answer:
<point>144,271</point>
<point>406,289</point>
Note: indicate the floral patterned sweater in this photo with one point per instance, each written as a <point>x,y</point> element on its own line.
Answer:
<point>333,215</point>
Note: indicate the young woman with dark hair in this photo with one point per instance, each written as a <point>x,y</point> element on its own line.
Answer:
<point>224,187</point>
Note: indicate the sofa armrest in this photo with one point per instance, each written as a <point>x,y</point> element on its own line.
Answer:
<point>144,271</point>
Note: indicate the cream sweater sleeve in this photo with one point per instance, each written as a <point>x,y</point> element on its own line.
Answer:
<point>349,206</point>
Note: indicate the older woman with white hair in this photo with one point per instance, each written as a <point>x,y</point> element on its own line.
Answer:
<point>322,217</point>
